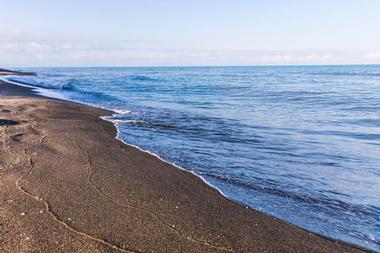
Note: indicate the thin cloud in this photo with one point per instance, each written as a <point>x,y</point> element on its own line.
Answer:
<point>373,55</point>
<point>71,53</point>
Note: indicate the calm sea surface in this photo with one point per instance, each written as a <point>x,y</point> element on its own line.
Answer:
<point>299,143</point>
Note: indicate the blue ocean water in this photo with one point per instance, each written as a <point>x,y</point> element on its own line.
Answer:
<point>301,143</point>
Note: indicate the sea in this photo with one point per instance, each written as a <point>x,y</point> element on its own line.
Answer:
<point>301,143</point>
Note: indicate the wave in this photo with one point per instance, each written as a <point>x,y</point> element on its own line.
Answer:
<point>142,123</point>
<point>320,202</point>
<point>122,111</point>
<point>121,121</point>
<point>68,85</point>
<point>40,83</point>
<point>144,78</point>
<point>22,81</point>
<point>346,74</point>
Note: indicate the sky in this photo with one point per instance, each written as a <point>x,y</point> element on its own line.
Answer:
<point>86,33</point>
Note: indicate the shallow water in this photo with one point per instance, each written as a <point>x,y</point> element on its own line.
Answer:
<point>299,143</point>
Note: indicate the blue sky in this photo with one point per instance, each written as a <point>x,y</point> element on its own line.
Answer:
<point>178,33</point>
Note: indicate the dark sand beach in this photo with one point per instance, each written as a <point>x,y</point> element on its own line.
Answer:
<point>68,185</point>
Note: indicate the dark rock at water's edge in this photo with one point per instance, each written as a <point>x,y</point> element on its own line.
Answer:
<point>14,72</point>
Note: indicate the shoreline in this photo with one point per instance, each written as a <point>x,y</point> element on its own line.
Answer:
<point>273,235</point>
<point>55,95</point>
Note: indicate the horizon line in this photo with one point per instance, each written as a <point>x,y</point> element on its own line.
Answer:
<point>204,66</point>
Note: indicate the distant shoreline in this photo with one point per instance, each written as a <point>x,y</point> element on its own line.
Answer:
<point>4,72</point>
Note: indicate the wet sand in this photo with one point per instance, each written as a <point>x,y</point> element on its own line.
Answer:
<point>67,185</point>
